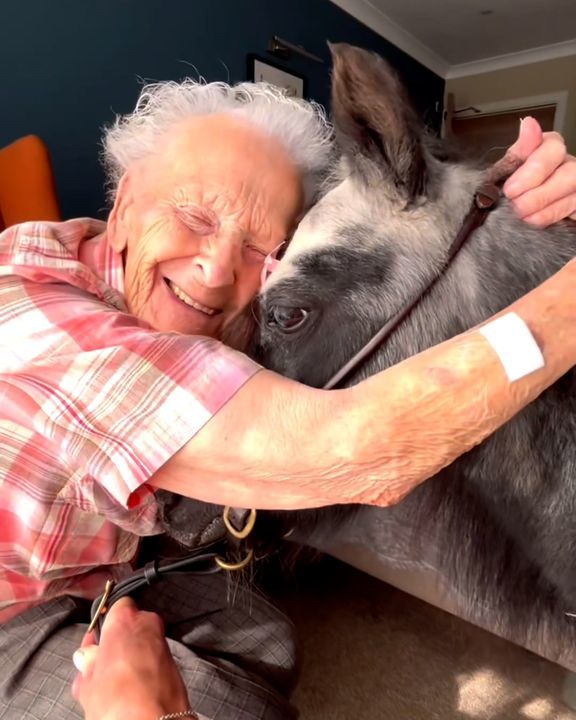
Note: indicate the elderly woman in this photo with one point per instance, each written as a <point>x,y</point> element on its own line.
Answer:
<point>114,383</point>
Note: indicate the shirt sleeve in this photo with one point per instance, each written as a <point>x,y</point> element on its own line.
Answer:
<point>113,398</point>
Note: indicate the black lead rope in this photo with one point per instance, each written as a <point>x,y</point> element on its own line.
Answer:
<point>202,561</point>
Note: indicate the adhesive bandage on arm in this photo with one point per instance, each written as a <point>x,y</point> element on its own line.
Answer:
<point>514,344</point>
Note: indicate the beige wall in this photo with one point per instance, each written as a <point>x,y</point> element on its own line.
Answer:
<point>519,82</point>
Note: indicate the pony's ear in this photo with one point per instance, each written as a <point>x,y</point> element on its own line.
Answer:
<point>375,123</point>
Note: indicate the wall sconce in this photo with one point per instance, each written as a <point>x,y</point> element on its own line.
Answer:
<point>284,50</point>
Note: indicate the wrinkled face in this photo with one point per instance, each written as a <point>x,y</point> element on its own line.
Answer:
<point>196,220</point>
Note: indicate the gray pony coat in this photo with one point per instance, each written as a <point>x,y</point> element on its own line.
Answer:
<point>505,513</point>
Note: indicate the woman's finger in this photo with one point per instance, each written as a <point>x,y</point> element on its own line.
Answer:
<point>77,686</point>
<point>539,166</point>
<point>561,184</point>
<point>560,210</point>
<point>88,639</point>
<point>530,137</point>
<point>84,658</point>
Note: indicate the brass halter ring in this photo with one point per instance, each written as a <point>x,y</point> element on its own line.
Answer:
<point>246,530</point>
<point>241,564</point>
<point>239,535</point>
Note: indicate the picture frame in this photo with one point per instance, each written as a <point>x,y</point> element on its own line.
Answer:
<point>261,69</point>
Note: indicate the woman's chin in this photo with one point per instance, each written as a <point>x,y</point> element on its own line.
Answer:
<point>209,327</point>
<point>175,323</point>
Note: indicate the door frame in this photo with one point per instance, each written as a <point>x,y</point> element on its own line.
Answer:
<point>559,99</point>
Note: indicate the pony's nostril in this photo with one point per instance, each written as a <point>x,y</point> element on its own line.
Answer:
<point>287,319</point>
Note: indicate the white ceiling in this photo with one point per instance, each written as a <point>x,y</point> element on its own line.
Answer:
<point>445,34</point>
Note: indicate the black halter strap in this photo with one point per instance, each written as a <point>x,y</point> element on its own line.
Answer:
<point>204,560</point>
<point>485,199</point>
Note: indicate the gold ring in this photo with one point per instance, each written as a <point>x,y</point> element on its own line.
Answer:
<point>246,530</point>
<point>224,565</point>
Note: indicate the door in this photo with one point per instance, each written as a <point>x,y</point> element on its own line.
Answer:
<point>486,136</point>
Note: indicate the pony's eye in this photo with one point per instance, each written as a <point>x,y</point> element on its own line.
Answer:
<point>287,319</point>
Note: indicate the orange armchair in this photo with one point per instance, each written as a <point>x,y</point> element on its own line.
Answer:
<point>27,187</point>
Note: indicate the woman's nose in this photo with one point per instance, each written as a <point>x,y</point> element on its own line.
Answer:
<point>216,263</point>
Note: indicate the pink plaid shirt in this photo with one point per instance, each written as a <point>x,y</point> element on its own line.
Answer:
<point>92,403</point>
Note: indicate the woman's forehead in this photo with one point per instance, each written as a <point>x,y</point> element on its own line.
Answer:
<point>212,139</point>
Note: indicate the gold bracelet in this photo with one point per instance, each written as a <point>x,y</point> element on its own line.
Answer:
<point>182,714</point>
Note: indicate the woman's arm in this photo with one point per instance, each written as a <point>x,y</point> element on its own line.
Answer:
<point>279,444</point>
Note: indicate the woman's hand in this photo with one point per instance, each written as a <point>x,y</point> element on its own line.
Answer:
<point>543,189</point>
<point>131,673</point>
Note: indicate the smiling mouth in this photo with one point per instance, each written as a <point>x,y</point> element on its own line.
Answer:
<point>190,302</point>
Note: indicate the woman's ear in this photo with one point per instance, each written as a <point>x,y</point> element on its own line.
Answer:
<point>117,232</point>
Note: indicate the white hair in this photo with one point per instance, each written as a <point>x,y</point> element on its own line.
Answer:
<point>299,125</point>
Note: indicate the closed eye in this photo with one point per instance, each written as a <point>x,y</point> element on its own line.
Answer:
<point>201,220</point>
<point>253,254</point>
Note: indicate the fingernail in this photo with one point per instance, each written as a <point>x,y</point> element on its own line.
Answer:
<point>79,660</point>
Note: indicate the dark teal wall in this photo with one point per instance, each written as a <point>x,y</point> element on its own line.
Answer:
<point>67,65</point>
